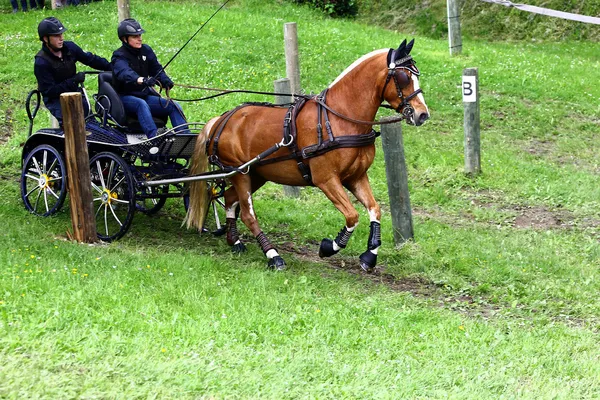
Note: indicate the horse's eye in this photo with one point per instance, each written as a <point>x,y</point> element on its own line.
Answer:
<point>403,79</point>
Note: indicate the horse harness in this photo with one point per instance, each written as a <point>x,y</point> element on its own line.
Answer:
<point>290,137</point>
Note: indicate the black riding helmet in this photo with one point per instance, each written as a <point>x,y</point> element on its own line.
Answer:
<point>129,27</point>
<point>50,26</point>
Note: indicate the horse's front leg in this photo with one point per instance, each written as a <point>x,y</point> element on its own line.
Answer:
<point>361,188</point>
<point>243,186</point>
<point>334,190</point>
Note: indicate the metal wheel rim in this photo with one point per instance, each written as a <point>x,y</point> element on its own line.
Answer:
<point>43,181</point>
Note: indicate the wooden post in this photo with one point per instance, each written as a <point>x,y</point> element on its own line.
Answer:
<point>292,64</point>
<point>78,168</point>
<point>283,86</point>
<point>123,6</point>
<point>454,36</point>
<point>397,180</point>
<point>472,144</point>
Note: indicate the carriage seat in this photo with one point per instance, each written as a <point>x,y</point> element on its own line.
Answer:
<point>117,111</point>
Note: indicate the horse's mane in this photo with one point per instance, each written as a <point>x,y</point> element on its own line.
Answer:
<point>356,63</point>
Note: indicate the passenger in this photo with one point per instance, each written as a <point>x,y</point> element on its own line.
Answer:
<point>55,65</point>
<point>135,67</point>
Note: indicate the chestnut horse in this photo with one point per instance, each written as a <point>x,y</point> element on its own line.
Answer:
<point>331,159</point>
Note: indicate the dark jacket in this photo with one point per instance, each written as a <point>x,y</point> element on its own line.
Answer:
<point>55,75</point>
<point>129,64</point>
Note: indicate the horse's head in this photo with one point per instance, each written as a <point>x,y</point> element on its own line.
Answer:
<point>405,95</point>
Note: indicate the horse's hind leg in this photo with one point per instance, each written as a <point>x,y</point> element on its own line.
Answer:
<point>231,215</point>
<point>361,188</point>
<point>334,190</point>
<point>232,211</point>
<point>244,186</point>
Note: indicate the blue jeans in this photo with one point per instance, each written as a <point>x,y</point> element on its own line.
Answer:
<point>55,109</point>
<point>146,107</point>
<point>15,5</point>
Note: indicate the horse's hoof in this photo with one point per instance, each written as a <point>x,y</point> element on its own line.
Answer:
<point>368,261</point>
<point>276,263</point>
<point>238,248</point>
<point>220,232</point>
<point>326,249</point>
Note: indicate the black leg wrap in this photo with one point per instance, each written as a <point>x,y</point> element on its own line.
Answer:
<point>368,261</point>
<point>374,236</point>
<point>326,249</point>
<point>343,237</point>
<point>276,263</point>
<point>264,243</point>
<point>232,232</point>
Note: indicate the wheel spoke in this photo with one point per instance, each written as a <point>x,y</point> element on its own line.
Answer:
<point>55,179</point>
<point>100,174</point>
<point>33,177</point>
<point>45,161</point>
<point>52,193</point>
<point>37,166</point>
<point>32,190</point>
<point>118,184</point>
<point>105,220</point>
<point>115,215</point>
<point>99,208</point>
<point>120,201</point>
<point>111,171</point>
<point>52,166</point>
<point>96,188</point>
<point>37,200</point>
<point>46,201</point>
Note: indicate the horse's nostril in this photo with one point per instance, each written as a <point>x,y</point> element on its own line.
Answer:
<point>423,117</point>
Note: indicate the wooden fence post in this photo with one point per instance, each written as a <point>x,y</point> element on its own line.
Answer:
<point>123,6</point>
<point>292,64</point>
<point>78,168</point>
<point>283,86</point>
<point>454,36</point>
<point>470,87</point>
<point>397,180</point>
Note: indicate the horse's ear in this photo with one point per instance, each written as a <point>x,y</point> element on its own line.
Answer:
<point>401,47</point>
<point>409,46</point>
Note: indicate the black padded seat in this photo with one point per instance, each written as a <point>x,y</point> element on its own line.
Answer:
<point>117,111</point>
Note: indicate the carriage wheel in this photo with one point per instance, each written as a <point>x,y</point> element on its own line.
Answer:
<point>152,205</point>
<point>44,181</point>
<point>113,192</point>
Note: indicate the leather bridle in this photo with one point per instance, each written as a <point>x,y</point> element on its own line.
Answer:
<point>401,80</point>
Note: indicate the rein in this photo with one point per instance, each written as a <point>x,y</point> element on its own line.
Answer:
<point>317,99</point>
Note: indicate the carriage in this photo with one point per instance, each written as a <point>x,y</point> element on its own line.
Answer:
<point>323,140</point>
<point>122,162</point>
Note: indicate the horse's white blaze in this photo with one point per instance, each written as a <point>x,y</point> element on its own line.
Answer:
<point>250,205</point>
<point>272,253</point>
<point>416,87</point>
<point>356,63</point>
<point>230,212</point>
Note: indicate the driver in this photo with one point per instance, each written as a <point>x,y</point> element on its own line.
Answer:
<point>55,68</point>
<point>135,67</point>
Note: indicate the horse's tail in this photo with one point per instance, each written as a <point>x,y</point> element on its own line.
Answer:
<point>199,196</point>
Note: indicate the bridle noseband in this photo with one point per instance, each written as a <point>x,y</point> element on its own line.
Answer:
<point>401,80</point>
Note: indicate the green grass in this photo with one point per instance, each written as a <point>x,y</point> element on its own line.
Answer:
<point>479,306</point>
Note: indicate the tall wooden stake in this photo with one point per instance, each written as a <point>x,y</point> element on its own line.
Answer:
<point>78,168</point>
<point>471,121</point>
<point>454,36</point>
<point>123,6</point>
<point>283,86</point>
<point>397,180</point>
<point>292,64</point>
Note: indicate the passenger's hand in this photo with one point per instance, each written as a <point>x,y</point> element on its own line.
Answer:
<point>79,77</point>
<point>150,81</point>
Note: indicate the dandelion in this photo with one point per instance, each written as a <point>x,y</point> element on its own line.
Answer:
<point>22,294</point>
<point>17,277</point>
<point>32,256</point>
<point>462,328</point>
<point>317,310</point>
<point>147,266</point>
<point>84,275</point>
<point>97,258</point>
<point>163,350</point>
